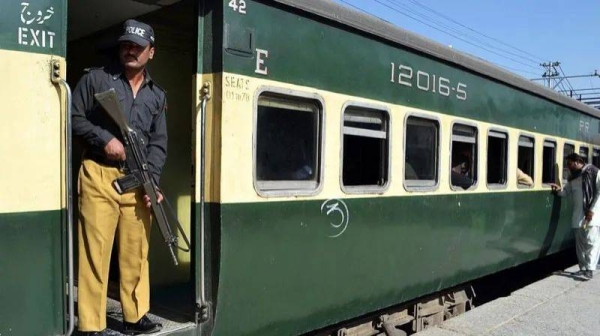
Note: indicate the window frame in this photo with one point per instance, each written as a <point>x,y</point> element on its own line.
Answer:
<point>498,186</point>
<point>562,160</point>
<point>535,155</point>
<point>418,187</point>
<point>477,159</point>
<point>291,190</point>
<point>595,149</point>
<point>587,157</point>
<point>366,189</point>
<point>555,142</point>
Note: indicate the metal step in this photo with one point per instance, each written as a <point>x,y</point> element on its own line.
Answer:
<point>114,320</point>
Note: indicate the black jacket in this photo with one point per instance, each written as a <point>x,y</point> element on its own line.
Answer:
<point>146,114</point>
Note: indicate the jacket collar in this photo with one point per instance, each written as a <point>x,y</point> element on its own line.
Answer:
<point>116,72</point>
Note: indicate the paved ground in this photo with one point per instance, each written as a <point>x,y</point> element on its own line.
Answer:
<point>562,304</point>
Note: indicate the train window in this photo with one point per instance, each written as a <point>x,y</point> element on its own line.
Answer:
<point>421,153</point>
<point>596,157</point>
<point>497,158</point>
<point>584,153</point>
<point>526,156</point>
<point>463,173</point>
<point>548,162</point>
<point>288,144</point>
<point>365,149</point>
<point>568,149</point>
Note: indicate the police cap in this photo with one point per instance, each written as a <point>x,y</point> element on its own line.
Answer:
<point>138,33</point>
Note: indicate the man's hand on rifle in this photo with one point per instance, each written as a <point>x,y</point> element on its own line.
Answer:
<point>159,198</point>
<point>114,150</point>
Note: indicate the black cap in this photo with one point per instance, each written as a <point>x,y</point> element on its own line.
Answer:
<point>137,32</point>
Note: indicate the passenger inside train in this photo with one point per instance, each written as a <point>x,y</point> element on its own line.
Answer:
<point>461,175</point>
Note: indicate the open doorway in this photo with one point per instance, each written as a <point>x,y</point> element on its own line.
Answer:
<point>93,28</point>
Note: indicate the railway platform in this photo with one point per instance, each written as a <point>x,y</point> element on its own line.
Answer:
<point>563,303</point>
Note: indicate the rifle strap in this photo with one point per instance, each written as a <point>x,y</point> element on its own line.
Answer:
<point>185,238</point>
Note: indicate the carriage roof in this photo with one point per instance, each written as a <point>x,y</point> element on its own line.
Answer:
<point>385,30</point>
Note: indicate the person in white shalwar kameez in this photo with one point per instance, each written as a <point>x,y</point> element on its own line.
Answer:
<point>585,223</point>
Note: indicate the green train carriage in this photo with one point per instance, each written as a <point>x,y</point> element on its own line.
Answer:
<point>325,159</point>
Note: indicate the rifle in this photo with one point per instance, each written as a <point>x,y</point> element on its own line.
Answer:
<point>138,173</point>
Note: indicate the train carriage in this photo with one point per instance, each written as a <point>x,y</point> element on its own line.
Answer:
<point>311,159</point>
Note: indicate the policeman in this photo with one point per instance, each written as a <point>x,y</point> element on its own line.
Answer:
<point>103,211</point>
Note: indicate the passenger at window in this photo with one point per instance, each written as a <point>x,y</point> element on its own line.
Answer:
<point>583,187</point>
<point>462,167</point>
<point>460,174</point>
<point>524,179</point>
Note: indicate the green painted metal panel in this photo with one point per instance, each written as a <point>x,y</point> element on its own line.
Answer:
<point>37,26</point>
<point>31,274</point>
<point>210,37</point>
<point>281,273</point>
<point>313,52</point>
<point>211,245</point>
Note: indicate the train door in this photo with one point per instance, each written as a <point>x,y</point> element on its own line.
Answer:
<point>206,145</point>
<point>94,26</point>
<point>33,199</point>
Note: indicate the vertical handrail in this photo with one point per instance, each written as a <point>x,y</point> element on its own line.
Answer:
<point>56,79</point>
<point>202,198</point>
<point>201,302</point>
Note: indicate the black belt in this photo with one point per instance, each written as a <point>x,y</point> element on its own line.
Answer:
<point>101,159</point>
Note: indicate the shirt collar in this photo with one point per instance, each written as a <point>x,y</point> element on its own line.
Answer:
<point>118,73</point>
<point>147,78</point>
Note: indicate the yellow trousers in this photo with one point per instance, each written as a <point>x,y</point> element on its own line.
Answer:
<point>102,214</point>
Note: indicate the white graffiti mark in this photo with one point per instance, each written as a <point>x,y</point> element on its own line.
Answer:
<point>40,17</point>
<point>333,208</point>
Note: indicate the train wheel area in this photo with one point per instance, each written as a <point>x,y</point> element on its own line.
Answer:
<point>488,302</point>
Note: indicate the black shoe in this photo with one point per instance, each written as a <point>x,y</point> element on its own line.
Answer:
<point>143,326</point>
<point>589,274</point>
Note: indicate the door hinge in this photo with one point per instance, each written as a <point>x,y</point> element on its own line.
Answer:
<point>55,72</point>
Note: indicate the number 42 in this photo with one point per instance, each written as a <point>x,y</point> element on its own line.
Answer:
<point>239,8</point>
